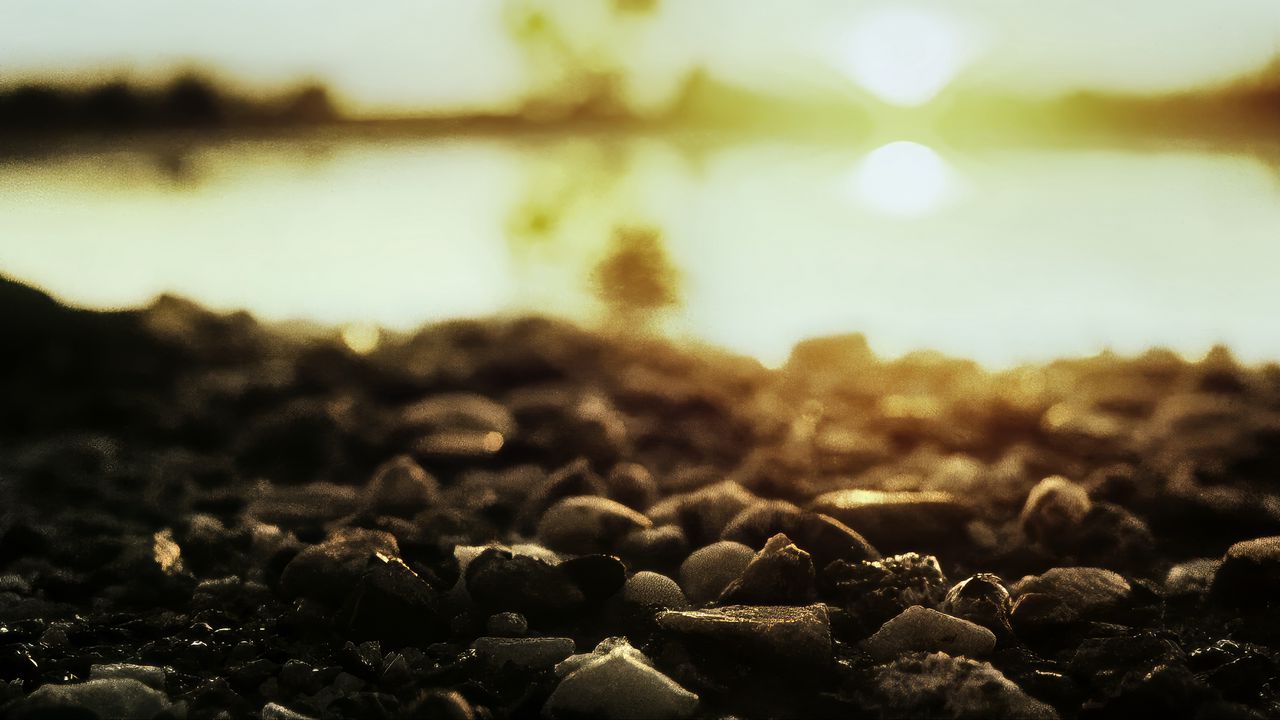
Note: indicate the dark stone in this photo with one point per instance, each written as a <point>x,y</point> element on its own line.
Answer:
<point>780,574</point>
<point>873,591</point>
<point>599,577</point>
<point>825,538</point>
<point>982,599</point>
<point>1250,574</point>
<point>632,485</point>
<point>501,582</point>
<point>657,547</point>
<point>392,604</point>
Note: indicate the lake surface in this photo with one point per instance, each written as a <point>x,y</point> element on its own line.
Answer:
<point>999,254</point>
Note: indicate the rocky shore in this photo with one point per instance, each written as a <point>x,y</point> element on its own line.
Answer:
<point>204,517</point>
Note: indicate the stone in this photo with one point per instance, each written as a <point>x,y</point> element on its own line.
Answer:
<point>458,411</point>
<point>507,624</point>
<point>614,644</point>
<point>898,521</point>
<point>148,675</point>
<point>922,629</point>
<point>1083,591</point>
<point>587,524</point>
<point>1193,577</point>
<point>940,686</point>
<point>527,653</point>
<point>1053,510</point>
<point>440,705</point>
<point>575,479</point>
<point>599,577</point>
<point>326,572</point>
<point>982,599</point>
<point>1250,574</point>
<point>709,570</point>
<point>704,513</point>
<point>618,685</point>
<point>649,589</point>
<point>632,485</point>
<point>824,537</point>
<point>109,698</point>
<point>304,507</point>
<point>401,488</point>
<point>774,634</point>
<point>499,581</point>
<point>655,547</point>
<point>392,604</point>
<point>275,711</point>
<point>780,574</point>
<point>873,591</point>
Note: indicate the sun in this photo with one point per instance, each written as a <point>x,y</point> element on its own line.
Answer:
<point>905,55</point>
<point>903,179</point>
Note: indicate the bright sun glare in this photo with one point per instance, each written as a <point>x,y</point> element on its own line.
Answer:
<point>903,178</point>
<point>904,55</point>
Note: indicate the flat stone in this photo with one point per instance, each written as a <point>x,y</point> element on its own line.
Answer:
<point>528,653</point>
<point>940,686</point>
<point>922,629</point>
<point>709,570</point>
<point>776,634</point>
<point>110,698</point>
<point>898,521</point>
<point>588,524</point>
<point>618,685</point>
<point>148,675</point>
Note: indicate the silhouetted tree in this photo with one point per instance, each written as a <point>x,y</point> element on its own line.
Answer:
<point>310,104</point>
<point>116,104</point>
<point>192,101</point>
<point>32,107</point>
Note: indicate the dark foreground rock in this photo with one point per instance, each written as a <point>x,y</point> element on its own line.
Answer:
<point>203,517</point>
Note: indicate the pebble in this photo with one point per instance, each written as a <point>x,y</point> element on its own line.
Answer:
<point>650,589</point>
<point>875,590</point>
<point>327,571</point>
<point>780,574</point>
<point>982,599</point>
<point>1083,591</point>
<point>618,685</point>
<point>654,547</point>
<point>898,521</point>
<point>274,711</point>
<point>109,698</point>
<point>940,686</point>
<point>587,524</point>
<point>775,634</point>
<point>632,485</point>
<point>575,479</point>
<point>392,604</point>
<point>1193,577</point>
<point>507,624</point>
<point>824,537</point>
<point>923,629</point>
<point>598,576</point>
<point>1053,510</point>
<point>307,506</point>
<point>709,570</point>
<point>528,653</point>
<point>1250,574</point>
<point>401,488</point>
<point>703,514</point>
<point>499,581</point>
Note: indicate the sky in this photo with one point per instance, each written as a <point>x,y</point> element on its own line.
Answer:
<point>453,55</point>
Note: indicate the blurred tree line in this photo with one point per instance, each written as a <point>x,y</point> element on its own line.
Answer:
<point>188,101</point>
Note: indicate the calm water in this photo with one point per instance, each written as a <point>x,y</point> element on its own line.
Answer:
<point>1003,255</point>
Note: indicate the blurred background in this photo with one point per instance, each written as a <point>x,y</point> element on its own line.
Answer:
<point>1003,180</point>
